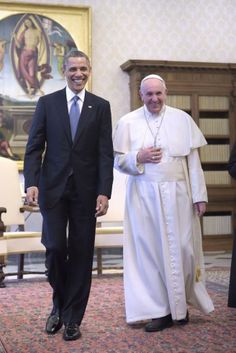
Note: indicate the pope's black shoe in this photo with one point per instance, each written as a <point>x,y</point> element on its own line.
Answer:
<point>53,323</point>
<point>71,332</point>
<point>159,324</point>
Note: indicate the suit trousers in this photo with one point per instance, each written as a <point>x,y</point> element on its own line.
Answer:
<point>68,235</point>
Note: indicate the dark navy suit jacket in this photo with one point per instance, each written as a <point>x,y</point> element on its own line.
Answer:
<point>51,155</point>
<point>232,281</point>
<point>232,162</point>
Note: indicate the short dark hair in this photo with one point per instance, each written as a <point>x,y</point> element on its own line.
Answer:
<point>74,53</point>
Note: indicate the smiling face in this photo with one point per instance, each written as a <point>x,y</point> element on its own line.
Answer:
<point>77,71</point>
<point>153,94</point>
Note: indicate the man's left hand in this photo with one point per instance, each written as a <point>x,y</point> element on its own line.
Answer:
<point>200,208</point>
<point>102,205</point>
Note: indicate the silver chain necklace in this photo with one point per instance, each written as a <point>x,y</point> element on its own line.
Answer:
<point>154,135</point>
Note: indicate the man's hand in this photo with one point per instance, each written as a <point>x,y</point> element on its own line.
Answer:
<point>102,205</point>
<point>149,155</point>
<point>200,208</point>
<point>32,194</point>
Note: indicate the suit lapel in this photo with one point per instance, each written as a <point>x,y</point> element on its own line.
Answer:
<point>86,115</point>
<point>63,113</point>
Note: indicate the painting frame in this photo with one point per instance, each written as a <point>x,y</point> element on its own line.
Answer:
<point>76,20</point>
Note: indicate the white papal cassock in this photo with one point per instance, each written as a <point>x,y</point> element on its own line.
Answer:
<point>163,259</point>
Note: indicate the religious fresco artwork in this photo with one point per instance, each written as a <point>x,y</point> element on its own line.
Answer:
<point>30,54</point>
<point>32,48</point>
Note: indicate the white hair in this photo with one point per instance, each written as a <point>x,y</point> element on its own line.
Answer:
<point>152,76</point>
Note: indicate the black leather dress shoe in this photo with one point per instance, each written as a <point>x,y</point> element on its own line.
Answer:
<point>53,324</point>
<point>183,321</point>
<point>71,332</point>
<point>159,324</point>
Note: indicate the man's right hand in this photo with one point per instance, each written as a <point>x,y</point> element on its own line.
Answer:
<point>32,196</point>
<point>149,155</point>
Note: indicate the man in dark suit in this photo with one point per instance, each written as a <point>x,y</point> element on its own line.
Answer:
<point>70,174</point>
<point>232,281</point>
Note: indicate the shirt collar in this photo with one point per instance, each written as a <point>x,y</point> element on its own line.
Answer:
<point>70,94</point>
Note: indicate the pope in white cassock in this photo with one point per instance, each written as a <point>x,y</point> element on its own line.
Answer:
<point>157,146</point>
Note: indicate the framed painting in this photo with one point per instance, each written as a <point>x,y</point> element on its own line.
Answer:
<point>33,42</point>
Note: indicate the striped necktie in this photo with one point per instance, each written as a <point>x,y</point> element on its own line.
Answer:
<point>74,116</point>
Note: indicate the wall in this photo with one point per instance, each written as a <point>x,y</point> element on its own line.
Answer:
<point>184,30</point>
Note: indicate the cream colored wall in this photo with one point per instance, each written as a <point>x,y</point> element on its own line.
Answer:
<point>184,30</point>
